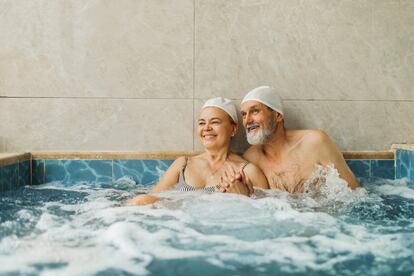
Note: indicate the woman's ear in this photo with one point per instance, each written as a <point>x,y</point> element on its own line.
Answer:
<point>234,130</point>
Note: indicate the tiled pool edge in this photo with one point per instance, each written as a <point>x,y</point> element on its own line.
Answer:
<point>143,168</point>
<point>404,162</point>
<point>15,171</point>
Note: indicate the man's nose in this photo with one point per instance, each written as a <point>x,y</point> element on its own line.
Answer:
<point>247,119</point>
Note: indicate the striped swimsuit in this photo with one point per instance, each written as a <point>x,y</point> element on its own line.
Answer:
<point>184,187</point>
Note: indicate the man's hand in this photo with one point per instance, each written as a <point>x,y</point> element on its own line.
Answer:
<point>239,183</point>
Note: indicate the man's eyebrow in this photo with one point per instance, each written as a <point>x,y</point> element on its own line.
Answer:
<point>251,107</point>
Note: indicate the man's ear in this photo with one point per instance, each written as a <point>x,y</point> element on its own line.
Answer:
<point>278,117</point>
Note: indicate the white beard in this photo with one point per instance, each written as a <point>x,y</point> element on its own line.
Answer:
<point>262,134</point>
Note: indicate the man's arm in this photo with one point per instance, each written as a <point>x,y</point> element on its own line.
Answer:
<point>327,152</point>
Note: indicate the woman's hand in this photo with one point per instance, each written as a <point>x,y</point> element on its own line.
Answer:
<point>239,183</point>
<point>143,200</point>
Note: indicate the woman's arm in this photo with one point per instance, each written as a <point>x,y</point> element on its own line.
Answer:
<point>255,176</point>
<point>166,182</point>
<point>243,182</point>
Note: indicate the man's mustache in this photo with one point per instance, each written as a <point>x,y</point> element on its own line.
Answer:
<point>252,125</point>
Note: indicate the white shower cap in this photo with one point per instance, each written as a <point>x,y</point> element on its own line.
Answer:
<point>224,104</point>
<point>267,96</point>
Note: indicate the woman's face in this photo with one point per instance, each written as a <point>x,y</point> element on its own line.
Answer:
<point>215,128</point>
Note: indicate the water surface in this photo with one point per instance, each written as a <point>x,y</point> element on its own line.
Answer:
<point>84,229</point>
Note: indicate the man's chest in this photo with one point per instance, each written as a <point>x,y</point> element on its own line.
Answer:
<point>287,174</point>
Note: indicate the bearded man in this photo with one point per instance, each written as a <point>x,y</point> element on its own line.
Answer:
<point>287,157</point>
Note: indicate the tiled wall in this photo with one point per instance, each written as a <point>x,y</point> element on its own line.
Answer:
<point>132,74</point>
<point>372,168</point>
<point>405,164</point>
<point>14,175</point>
<point>102,171</point>
<point>141,171</point>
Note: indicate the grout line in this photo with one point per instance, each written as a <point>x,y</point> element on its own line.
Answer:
<point>44,172</point>
<point>370,168</point>
<point>193,95</point>
<point>31,169</point>
<point>96,98</point>
<point>19,164</point>
<point>194,75</point>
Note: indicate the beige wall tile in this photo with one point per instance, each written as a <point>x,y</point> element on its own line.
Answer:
<point>307,49</point>
<point>355,125</point>
<point>392,46</point>
<point>75,124</point>
<point>125,49</point>
<point>344,66</point>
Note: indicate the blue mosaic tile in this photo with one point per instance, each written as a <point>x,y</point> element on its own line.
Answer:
<point>38,172</point>
<point>142,171</point>
<point>383,169</point>
<point>24,173</point>
<point>360,168</point>
<point>1,179</point>
<point>72,171</point>
<point>9,177</point>
<point>405,160</point>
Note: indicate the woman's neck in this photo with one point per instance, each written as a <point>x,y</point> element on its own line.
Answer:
<point>217,156</point>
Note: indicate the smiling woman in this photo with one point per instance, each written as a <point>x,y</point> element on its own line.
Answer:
<point>215,169</point>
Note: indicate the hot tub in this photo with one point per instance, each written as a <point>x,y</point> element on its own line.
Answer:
<point>62,214</point>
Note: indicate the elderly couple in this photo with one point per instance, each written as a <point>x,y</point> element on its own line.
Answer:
<point>278,158</point>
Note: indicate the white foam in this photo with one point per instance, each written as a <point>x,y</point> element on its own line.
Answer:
<point>398,187</point>
<point>299,232</point>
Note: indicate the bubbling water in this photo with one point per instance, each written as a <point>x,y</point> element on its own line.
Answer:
<point>85,229</point>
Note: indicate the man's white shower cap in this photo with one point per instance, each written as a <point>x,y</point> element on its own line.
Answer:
<point>224,104</point>
<point>267,96</point>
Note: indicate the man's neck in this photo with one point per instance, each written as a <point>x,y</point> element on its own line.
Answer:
<point>277,143</point>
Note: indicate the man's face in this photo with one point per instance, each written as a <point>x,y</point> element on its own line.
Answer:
<point>258,121</point>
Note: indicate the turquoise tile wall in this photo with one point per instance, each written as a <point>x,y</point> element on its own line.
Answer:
<point>98,171</point>
<point>14,176</point>
<point>405,164</point>
<point>148,171</point>
<point>72,171</point>
<point>372,168</point>
<point>142,171</point>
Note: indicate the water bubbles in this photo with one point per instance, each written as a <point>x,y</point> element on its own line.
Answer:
<point>83,229</point>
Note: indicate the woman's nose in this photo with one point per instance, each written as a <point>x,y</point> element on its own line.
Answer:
<point>207,126</point>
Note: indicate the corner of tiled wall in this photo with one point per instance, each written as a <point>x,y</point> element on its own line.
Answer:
<point>16,174</point>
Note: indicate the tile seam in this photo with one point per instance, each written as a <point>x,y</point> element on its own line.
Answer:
<point>193,94</point>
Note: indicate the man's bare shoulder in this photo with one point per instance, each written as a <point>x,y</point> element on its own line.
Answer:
<point>312,141</point>
<point>314,137</point>
<point>252,154</point>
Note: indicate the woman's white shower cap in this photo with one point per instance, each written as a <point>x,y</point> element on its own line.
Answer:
<point>224,104</point>
<point>267,96</point>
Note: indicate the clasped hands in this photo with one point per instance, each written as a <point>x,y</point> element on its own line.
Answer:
<point>235,182</point>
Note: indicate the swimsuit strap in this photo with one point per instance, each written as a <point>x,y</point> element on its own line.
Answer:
<point>184,166</point>
<point>244,165</point>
